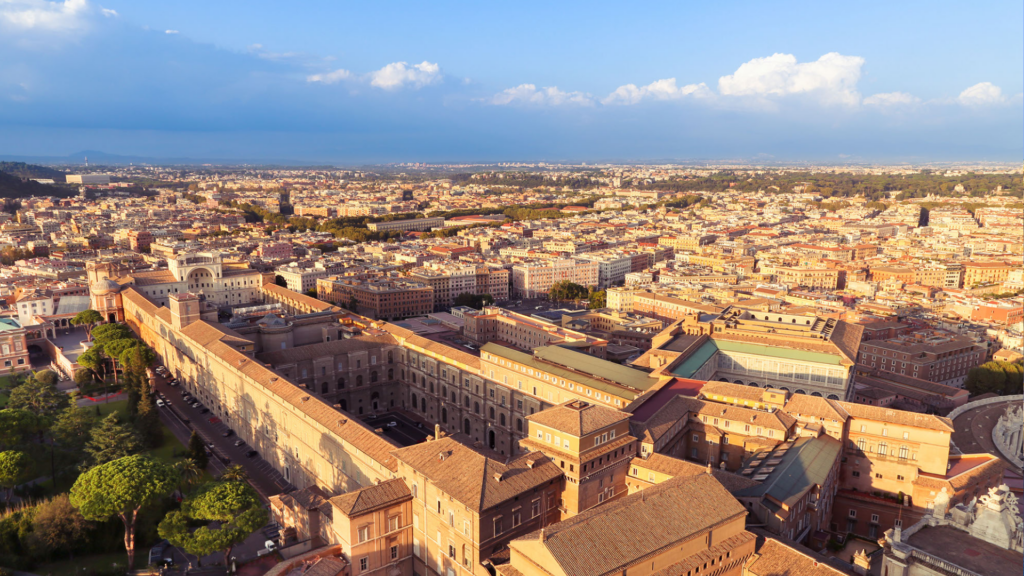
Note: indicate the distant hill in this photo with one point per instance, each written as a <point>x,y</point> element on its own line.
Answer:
<point>31,171</point>
<point>14,187</point>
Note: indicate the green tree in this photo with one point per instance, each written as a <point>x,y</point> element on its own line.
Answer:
<point>566,291</point>
<point>72,427</point>
<point>147,422</point>
<point>189,472</point>
<point>13,465</point>
<point>48,377</point>
<point>110,332</point>
<point>236,508</point>
<point>121,488</point>
<point>57,526</point>
<point>280,281</point>
<point>88,319</point>
<point>597,300</point>
<point>94,360</point>
<point>197,451</point>
<point>989,377</point>
<point>83,377</point>
<point>353,304</point>
<point>17,424</point>
<point>41,399</point>
<point>235,472</point>
<point>112,440</point>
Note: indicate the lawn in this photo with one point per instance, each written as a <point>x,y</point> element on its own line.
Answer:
<point>78,565</point>
<point>4,397</point>
<point>171,444</point>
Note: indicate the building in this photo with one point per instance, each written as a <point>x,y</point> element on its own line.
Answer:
<point>668,308</point>
<point>679,526</point>
<point>494,324</point>
<point>797,353</point>
<point>984,273</point>
<point>535,279</point>
<point>977,538</point>
<point>935,357</point>
<point>208,273</point>
<point>88,178</point>
<point>301,279</point>
<point>468,505</point>
<point>378,299</point>
<point>416,224</point>
<point>275,250</point>
<point>820,278</point>
<point>591,445</point>
<point>13,346</point>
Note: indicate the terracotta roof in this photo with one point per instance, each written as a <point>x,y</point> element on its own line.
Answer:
<point>474,479</point>
<point>150,278</point>
<point>577,417</point>
<point>662,421</point>
<point>777,420</point>
<point>897,416</point>
<point>675,467</point>
<point>610,538</point>
<point>372,497</point>
<point>690,564</point>
<point>807,405</point>
<point>733,390</point>
<point>776,559</point>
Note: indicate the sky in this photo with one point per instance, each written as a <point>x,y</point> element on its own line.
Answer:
<point>368,82</point>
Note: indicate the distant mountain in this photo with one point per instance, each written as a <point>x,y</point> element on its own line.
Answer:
<point>31,171</point>
<point>14,187</point>
<point>99,158</point>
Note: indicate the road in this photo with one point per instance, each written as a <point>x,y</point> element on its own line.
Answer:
<point>974,429</point>
<point>183,419</point>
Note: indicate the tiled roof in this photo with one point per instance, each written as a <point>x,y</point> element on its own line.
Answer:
<point>776,559</point>
<point>474,479</point>
<point>732,390</point>
<point>577,417</point>
<point>675,467</point>
<point>609,538</point>
<point>807,405</point>
<point>806,463</point>
<point>897,416</point>
<point>371,498</point>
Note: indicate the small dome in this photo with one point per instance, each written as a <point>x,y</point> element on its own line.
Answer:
<point>105,286</point>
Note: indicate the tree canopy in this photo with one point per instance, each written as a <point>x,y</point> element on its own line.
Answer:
<point>13,464</point>
<point>567,290</point>
<point>41,399</point>
<point>121,488</point>
<point>234,505</point>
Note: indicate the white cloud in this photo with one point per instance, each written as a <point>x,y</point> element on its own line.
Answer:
<point>171,32</point>
<point>892,99</point>
<point>832,78</point>
<point>44,15</point>
<point>330,77</point>
<point>982,94</point>
<point>550,96</point>
<point>108,12</point>
<point>399,74</point>
<point>658,90</point>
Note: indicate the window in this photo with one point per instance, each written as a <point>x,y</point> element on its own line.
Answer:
<point>853,513</point>
<point>535,509</point>
<point>364,533</point>
<point>874,518</point>
<point>497,526</point>
<point>856,473</point>
<point>897,523</point>
<point>451,550</point>
<point>394,552</point>
<point>364,564</point>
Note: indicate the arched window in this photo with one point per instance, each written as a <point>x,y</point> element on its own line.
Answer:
<point>373,376</point>
<point>391,373</point>
<point>502,418</point>
<point>359,380</point>
<point>466,401</point>
<point>476,407</point>
<point>323,388</point>
<point>341,383</point>
<point>465,425</point>
<point>344,405</point>
<point>492,412</point>
<point>455,397</point>
<point>423,404</point>
<point>414,400</point>
<point>519,424</point>
<point>391,357</point>
<point>444,415</point>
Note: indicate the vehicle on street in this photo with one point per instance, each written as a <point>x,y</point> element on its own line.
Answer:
<point>239,442</point>
<point>227,433</point>
<point>252,454</point>
<point>393,424</point>
<point>161,403</point>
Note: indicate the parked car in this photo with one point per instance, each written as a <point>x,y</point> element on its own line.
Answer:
<point>161,403</point>
<point>239,442</point>
<point>227,433</point>
<point>157,554</point>
<point>393,424</point>
<point>252,454</point>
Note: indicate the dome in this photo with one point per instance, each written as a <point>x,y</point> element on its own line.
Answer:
<point>105,286</point>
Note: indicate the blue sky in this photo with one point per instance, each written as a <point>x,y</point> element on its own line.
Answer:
<point>461,81</point>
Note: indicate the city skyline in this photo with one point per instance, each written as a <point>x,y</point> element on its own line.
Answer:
<point>773,84</point>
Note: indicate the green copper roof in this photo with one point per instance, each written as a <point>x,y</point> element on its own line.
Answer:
<point>807,463</point>
<point>778,352</point>
<point>694,361</point>
<point>579,367</point>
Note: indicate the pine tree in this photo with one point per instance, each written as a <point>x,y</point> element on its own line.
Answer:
<point>197,451</point>
<point>111,440</point>
<point>147,422</point>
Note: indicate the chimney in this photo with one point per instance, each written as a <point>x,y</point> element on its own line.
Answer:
<point>709,467</point>
<point>543,535</point>
<point>437,431</point>
<point>497,476</point>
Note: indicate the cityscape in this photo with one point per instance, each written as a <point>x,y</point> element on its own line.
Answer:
<point>302,308</point>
